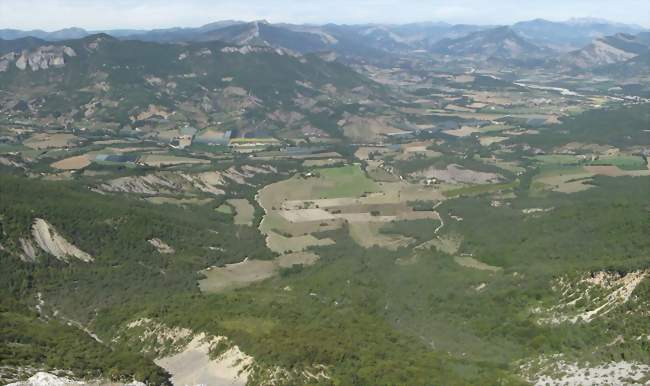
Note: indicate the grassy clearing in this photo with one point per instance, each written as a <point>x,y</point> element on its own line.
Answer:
<point>420,230</point>
<point>225,209</point>
<point>237,275</point>
<point>625,162</point>
<point>561,179</point>
<point>282,244</point>
<point>554,171</point>
<point>495,128</point>
<point>249,325</point>
<point>369,235</point>
<point>449,244</point>
<point>297,258</point>
<point>11,148</point>
<point>558,159</point>
<point>244,211</point>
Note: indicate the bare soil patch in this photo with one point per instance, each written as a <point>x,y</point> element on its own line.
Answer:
<point>471,262</point>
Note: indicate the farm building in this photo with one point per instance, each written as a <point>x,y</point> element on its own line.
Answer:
<point>181,142</point>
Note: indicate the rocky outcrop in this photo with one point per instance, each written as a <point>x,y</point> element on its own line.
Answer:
<point>28,254</point>
<point>161,246</point>
<point>41,58</point>
<point>591,297</point>
<point>47,379</point>
<point>5,60</point>
<point>50,241</point>
<point>244,50</point>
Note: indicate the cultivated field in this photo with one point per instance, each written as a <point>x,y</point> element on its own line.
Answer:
<point>298,208</point>
<point>158,160</point>
<point>42,141</point>
<point>72,163</point>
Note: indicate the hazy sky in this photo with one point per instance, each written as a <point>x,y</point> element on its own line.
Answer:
<point>109,14</point>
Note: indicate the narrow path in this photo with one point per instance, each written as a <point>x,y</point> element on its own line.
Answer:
<point>442,221</point>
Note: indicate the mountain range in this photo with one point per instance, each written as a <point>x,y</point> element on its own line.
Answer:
<point>128,82</point>
<point>562,36</point>
<point>572,34</point>
<point>269,69</point>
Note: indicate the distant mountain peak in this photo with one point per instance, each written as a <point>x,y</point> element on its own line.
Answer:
<point>608,50</point>
<point>588,20</point>
<point>500,42</point>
